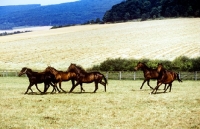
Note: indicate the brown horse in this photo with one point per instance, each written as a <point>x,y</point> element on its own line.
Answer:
<point>149,73</point>
<point>87,77</point>
<point>165,77</point>
<point>63,76</point>
<point>36,77</point>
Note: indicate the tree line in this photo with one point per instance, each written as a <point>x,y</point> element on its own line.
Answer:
<point>151,9</point>
<point>181,63</point>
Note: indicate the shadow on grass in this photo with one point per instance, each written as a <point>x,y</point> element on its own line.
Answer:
<point>159,93</point>
<point>55,93</point>
<point>140,89</point>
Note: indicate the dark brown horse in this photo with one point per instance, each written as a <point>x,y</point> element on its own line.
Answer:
<point>87,77</point>
<point>36,77</point>
<point>149,73</point>
<point>165,77</point>
<point>63,76</point>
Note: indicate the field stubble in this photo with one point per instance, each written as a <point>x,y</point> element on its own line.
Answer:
<point>122,106</point>
<point>92,44</point>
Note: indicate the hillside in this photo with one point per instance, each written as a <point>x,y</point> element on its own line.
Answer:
<point>89,45</point>
<point>61,14</point>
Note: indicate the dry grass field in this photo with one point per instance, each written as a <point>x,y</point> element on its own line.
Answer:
<point>123,106</point>
<point>91,44</point>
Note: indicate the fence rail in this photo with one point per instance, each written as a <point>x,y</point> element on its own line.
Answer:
<point>118,75</point>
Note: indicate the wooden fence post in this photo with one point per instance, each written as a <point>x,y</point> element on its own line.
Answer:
<point>195,75</point>
<point>107,75</point>
<point>120,75</point>
<point>134,74</point>
<point>16,73</point>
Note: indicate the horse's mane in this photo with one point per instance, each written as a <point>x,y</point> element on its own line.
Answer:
<point>27,69</point>
<point>81,68</point>
<point>30,70</point>
<point>145,66</point>
<point>77,67</point>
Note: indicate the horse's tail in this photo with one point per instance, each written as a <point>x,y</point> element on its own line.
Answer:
<point>178,78</point>
<point>106,81</point>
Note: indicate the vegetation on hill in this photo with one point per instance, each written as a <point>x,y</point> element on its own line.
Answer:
<point>145,9</point>
<point>180,63</point>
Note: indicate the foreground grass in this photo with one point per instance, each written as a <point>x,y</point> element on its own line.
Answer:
<point>122,106</point>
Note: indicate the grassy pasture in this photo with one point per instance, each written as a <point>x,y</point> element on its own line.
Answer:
<point>122,106</point>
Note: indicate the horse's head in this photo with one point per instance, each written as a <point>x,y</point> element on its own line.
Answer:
<point>160,67</point>
<point>75,68</point>
<point>139,65</point>
<point>23,71</point>
<point>71,68</point>
<point>51,70</point>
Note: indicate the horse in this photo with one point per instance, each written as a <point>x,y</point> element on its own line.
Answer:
<point>149,73</point>
<point>165,77</point>
<point>62,76</point>
<point>87,77</point>
<point>35,78</point>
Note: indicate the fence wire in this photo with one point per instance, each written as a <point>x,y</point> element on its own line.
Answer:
<point>118,75</point>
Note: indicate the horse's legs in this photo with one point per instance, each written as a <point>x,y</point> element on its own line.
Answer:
<point>96,86</point>
<point>170,85</point>
<point>73,83</point>
<point>46,87</point>
<point>156,88</point>
<point>73,86</point>
<point>60,87</point>
<point>57,87</point>
<point>104,84</point>
<point>165,86</point>
<point>143,83</point>
<point>54,87</point>
<point>29,87</point>
<point>81,85</point>
<point>149,84</point>
<point>37,88</point>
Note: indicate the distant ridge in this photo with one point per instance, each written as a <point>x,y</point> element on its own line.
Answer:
<point>77,12</point>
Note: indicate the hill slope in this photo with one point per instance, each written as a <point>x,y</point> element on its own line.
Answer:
<point>91,44</point>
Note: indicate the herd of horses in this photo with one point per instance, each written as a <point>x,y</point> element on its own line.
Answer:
<point>52,77</point>
<point>162,75</point>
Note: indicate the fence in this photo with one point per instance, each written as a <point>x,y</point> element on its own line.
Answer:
<point>138,75</point>
<point>119,75</point>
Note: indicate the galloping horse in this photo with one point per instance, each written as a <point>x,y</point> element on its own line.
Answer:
<point>165,77</point>
<point>35,78</point>
<point>87,77</point>
<point>63,76</point>
<point>149,73</point>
